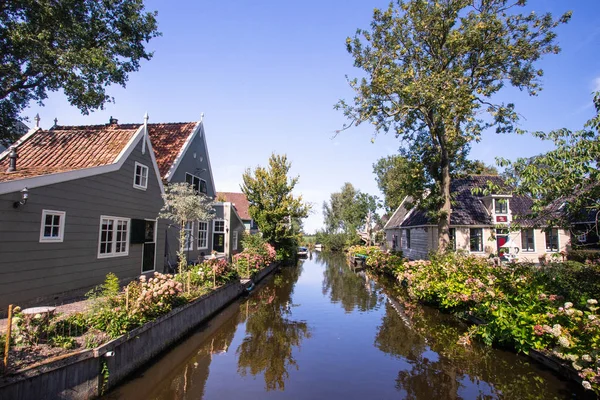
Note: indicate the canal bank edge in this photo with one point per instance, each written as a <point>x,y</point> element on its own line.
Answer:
<point>89,373</point>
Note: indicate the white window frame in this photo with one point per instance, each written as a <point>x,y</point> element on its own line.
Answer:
<point>235,241</point>
<point>189,235</point>
<point>215,225</point>
<point>523,249</point>
<point>143,182</point>
<point>113,253</point>
<point>501,199</point>
<point>205,231</point>
<point>61,226</point>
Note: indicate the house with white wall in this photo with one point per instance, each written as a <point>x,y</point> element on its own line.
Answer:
<point>481,224</point>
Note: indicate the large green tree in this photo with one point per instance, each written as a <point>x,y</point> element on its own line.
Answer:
<point>398,176</point>
<point>77,46</point>
<point>565,181</point>
<point>349,209</point>
<point>273,205</point>
<point>431,70</point>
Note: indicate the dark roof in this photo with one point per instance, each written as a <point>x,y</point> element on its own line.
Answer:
<point>398,216</point>
<point>468,208</point>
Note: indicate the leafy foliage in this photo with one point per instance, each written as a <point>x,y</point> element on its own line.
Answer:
<point>273,205</point>
<point>564,182</point>
<point>522,306</point>
<point>431,72</point>
<point>78,46</point>
<point>257,255</point>
<point>348,209</point>
<point>184,204</point>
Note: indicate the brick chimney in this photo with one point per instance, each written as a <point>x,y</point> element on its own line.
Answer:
<point>113,121</point>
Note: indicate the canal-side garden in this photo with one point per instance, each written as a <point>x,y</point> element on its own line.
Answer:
<point>551,309</point>
<point>115,310</point>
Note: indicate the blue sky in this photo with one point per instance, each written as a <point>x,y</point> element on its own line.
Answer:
<point>266,74</point>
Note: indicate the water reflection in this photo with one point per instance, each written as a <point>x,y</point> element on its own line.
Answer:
<point>359,340</point>
<point>271,333</point>
<point>344,286</point>
<point>439,367</point>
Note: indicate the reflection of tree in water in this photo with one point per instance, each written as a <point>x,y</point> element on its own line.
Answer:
<point>189,378</point>
<point>271,334</point>
<point>347,287</point>
<point>442,368</point>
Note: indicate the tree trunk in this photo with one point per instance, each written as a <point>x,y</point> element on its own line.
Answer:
<point>445,208</point>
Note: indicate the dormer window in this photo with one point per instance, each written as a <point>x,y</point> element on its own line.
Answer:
<point>140,178</point>
<point>501,206</point>
<point>198,184</point>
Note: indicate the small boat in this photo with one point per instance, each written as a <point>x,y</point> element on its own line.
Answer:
<point>318,247</point>
<point>302,252</point>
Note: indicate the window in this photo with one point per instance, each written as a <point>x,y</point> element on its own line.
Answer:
<point>189,229</point>
<point>53,226</point>
<point>527,240</point>
<point>476,239</point>
<point>235,240</point>
<point>582,237</point>
<point>552,240</point>
<point>114,235</point>
<point>198,184</point>
<point>501,206</point>
<point>219,226</point>
<point>202,235</point>
<point>452,232</point>
<point>140,178</point>
<point>408,238</point>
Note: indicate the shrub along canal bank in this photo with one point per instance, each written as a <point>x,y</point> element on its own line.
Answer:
<point>320,330</point>
<point>548,311</point>
<point>144,319</point>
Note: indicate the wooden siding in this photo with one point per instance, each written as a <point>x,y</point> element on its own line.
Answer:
<point>31,270</point>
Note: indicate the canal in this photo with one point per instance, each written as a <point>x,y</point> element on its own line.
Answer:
<point>321,331</point>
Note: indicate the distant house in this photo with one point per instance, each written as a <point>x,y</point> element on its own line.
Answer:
<point>479,224</point>
<point>240,201</point>
<point>77,202</point>
<point>182,156</point>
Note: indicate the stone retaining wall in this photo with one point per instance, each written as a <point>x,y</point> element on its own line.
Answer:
<point>88,373</point>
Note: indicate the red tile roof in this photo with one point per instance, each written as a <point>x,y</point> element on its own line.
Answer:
<point>240,202</point>
<point>168,140</point>
<point>68,148</point>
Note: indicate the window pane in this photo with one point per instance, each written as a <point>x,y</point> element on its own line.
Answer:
<point>56,220</point>
<point>55,231</point>
<point>476,243</point>
<point>47,231</point>
<point>48,219</point>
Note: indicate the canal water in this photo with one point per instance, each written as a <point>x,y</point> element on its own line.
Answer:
<point>323,331</point>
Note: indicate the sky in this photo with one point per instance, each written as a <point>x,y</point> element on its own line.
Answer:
<point>266,74</point>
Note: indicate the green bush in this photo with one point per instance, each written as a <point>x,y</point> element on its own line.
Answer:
<point>583,256</point>
<point>66,342</point>
<point>524,306</point>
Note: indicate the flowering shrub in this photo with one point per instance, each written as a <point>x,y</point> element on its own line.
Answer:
<point>254,258</point>
<point>523,305</point>
<point>156,295</point>
<point>224,271</point>
<point>381,261</point>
